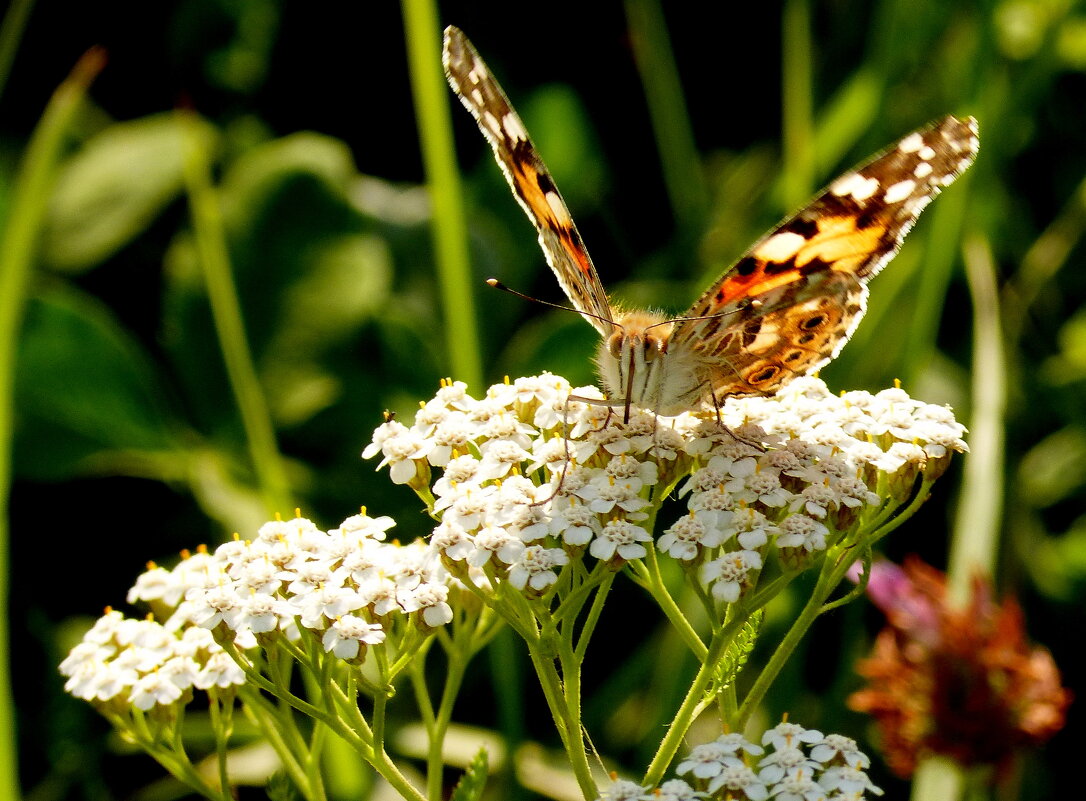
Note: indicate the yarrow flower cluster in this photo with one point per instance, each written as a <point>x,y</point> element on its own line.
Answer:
<point>792,763</point>
<point>532,478</point>
<point>540,495</point>
<point>346,587</point>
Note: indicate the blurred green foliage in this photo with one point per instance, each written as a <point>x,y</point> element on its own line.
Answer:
<point>129,444</point>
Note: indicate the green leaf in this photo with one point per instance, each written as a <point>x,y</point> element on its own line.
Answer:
<point>473,782</point>
<point>83,386</point>
<point>735,657</point>
<point>113,188</point>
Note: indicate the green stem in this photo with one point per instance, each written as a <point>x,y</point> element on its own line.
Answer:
<point>264,717</point>
<point>593,617</point>
<point>652,580</point>
<point>836,563</point>
<point>219,728</point>
<point>683,175</point>
<point>692,703</point>
<point>11,33</point>
<point>214,257</point>
<point>975,540</point>
<point>435,761</point>
<point>448,225</point>
<point>798,172</point>
<point>30,193</point>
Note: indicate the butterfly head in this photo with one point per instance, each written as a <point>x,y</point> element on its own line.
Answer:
<point>638,368</point>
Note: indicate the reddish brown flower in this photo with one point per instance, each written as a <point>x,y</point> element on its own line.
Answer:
<point>960,682</point>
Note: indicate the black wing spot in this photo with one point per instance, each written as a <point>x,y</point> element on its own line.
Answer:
<point>815,266</point>
<point>746,266</point>
<point>545,182</point>
<point>793,355</point>
<point>811,323</point>
<point>767,374</point>
<point>804,227</point>
<point>776,267</point>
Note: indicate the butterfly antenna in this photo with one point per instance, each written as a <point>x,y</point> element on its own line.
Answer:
<point>494,282</point>
<point>743,305</point>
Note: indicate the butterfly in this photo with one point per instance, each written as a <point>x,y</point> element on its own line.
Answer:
<point>785,309</point>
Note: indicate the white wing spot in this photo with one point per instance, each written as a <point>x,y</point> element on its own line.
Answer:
<point>558,208</point>
<point>513,127</point>
<point>923,169</point>
<point>899,191</point>
<point>926,153</point>
<point>911,143</point>
<point>491,122</point>
<point>780,247</point>
<point>477,96</point>
<point>856,185</point>
<point>477,72</point>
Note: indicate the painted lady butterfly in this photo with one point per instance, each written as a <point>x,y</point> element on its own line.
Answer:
<point>784,309</point>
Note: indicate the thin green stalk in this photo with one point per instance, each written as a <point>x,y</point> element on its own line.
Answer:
<point>679,158</point>
<point>796,113</point>
<point>834,567</point>
<point>593,618</point>
<point>448,226</point>
<point>214,257</point>
<point>692,703</point>
<point>215,710</point>
<point>575,744</point>
<point>11,33</point>
<point>435,761</point>
<point>264,718</point>
<point>30,195</point>
<point>650,578</point>
<point>975,540</point>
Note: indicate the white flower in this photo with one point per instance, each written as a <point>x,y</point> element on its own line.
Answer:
<point>534,567</point>
<point>738,778</point>
<point>451,540</point>
<point>347,634</point>
<point>494,542</point>
<point>708,760</point>
<point>575,523</point>
<point>220,671</point>
<point>786,761</point>
<point>619,538</point>
<point>365,526</point>
<point>762,487</point>
<point>729,575</point>
<point>800,531</point>
<point>689,534</point>
<point>790,735</point>
<point>748,525</point>
<point>798,786</point>
<point>676,790</point>
<point>837,745</point>
<point>848,780</point>
<point>153,689</point>
<point>625,790</point>
<point>432,599</point>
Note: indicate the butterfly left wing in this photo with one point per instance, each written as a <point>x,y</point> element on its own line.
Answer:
<point>528,177</point>
<point>791,303</point>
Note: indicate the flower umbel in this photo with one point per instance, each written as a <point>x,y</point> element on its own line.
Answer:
<point>540,503</point>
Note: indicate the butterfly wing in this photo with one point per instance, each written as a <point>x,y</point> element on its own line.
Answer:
<point>791,303</point>
<point>528,177</point>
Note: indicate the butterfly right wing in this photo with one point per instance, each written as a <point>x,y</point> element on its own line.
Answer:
<point>528,177</point>
<point>791,303</point>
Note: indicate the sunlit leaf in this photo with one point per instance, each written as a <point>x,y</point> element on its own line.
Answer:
<point>113,188</point>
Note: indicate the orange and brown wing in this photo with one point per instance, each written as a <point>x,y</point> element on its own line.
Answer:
<point>528,177</point>
<point>792,302</point>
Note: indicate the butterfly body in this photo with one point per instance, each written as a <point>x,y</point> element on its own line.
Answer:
<point>784,309</point>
